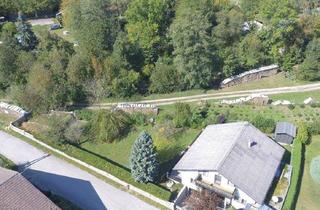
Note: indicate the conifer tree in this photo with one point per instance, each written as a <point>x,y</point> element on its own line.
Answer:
<point>25,36</point>
<point>143,160</point>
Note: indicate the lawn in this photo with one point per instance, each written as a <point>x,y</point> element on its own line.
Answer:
<point>297,98</point>
<point>310,190</point>
<point>40,28</point>
<point>5,119</point>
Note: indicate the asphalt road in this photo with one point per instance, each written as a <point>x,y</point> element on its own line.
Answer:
<point>62,178</point>
<point>220,95</point>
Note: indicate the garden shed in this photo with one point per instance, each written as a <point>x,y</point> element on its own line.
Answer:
<point>285,132</point>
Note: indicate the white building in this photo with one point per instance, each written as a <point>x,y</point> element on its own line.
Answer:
<point>235,160</point>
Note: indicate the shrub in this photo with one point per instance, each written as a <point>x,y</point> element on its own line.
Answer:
<point>221,118</point>
<point>182,115</point>
<point>314,127</point>
<point>303,134</point>
<point>138,118</point>
<point>107,126</point>
<point>291,106</point>
<point>302,106</point>
<point>266,125</point>
<point>296,160</point>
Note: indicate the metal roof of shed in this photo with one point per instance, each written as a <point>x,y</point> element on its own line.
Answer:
<point>286,128</point>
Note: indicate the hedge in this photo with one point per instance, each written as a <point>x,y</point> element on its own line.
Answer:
<point>296,162</point>
<point>108,166</point>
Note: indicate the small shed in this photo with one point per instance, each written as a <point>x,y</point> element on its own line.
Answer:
<point>285,132</point>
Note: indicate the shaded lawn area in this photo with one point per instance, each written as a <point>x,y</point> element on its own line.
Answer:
<point>6,163</point>
<point>120,151</point>
<point>278,80</point>
<point>309,196</point>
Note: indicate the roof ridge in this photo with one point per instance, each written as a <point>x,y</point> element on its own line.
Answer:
<point>245,124</point>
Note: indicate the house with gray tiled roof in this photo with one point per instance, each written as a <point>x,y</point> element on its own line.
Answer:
<point>235,160</point>
<point>16,192</point>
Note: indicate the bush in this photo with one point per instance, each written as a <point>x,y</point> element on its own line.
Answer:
<point>296,160</point>
<point>314,127</point>
<point>138,118</point>
<point>302,106</point>
<point>303,134</point>
<point>108,126</point>
<point>266,125</point>
<point>182,115</point>
<point>291,106</point>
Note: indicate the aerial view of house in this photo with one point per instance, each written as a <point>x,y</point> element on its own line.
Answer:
<point>160,104</point>
<point>235,160</point>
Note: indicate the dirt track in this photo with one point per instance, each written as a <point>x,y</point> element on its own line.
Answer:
<point>221,95</point>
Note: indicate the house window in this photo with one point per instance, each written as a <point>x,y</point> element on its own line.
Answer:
<point>217,179</point>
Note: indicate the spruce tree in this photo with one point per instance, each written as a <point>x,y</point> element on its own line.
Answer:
<point>143,160</point>
<point>25,36</point>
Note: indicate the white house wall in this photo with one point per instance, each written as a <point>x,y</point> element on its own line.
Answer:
<point>187,178</point>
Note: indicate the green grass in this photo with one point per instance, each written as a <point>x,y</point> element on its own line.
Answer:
<point>297,98</point>
<point>309,195</point>
<point>278,80</point>
<point>59,32</point>
<point>5,120</point>
<point>6,163</point>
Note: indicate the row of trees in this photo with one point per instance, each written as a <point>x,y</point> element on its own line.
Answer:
<point>29,7</point>
<point>129,47</point>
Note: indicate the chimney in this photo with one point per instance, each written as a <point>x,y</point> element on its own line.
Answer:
<point>251,143</point>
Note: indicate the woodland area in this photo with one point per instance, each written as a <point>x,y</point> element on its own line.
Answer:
<point>140,47</point>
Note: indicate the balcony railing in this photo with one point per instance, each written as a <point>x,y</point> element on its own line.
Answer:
<point>224,191</point>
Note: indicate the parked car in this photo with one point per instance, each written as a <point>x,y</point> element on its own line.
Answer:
<point>55,26</point>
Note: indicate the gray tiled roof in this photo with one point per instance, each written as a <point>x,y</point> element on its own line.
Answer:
<point>224,148</point>
<point>18,193</point>
<point>286,128</point>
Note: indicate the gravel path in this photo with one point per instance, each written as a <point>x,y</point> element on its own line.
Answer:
<point>221,95</point>
<point>64,179</point>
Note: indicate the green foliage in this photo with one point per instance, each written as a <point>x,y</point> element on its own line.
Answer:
<point>143,160</point>
<point>314,127</point>
<point>164,78</point>
<point>105,165</point>
<point>309,69</point>
<point>303,134</point>
<point>126,84</point>
<point>25,36</point>
<point>291,106</point>
<point>266,125</point>
<point>195,57</point>
<point>148,21</point>
<point>296,162</point>
<point>182,115</point>
<point>108,126</point>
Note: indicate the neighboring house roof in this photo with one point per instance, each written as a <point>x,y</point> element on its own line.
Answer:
<point>286,128</point>
<point>238,151</point>
<point>18,193</point>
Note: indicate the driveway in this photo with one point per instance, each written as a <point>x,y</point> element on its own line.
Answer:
<point>41,22</point>
<point>64,179</point>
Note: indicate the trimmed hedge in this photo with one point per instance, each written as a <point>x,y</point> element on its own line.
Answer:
<point>108,166</point>
<point>296,162</point>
